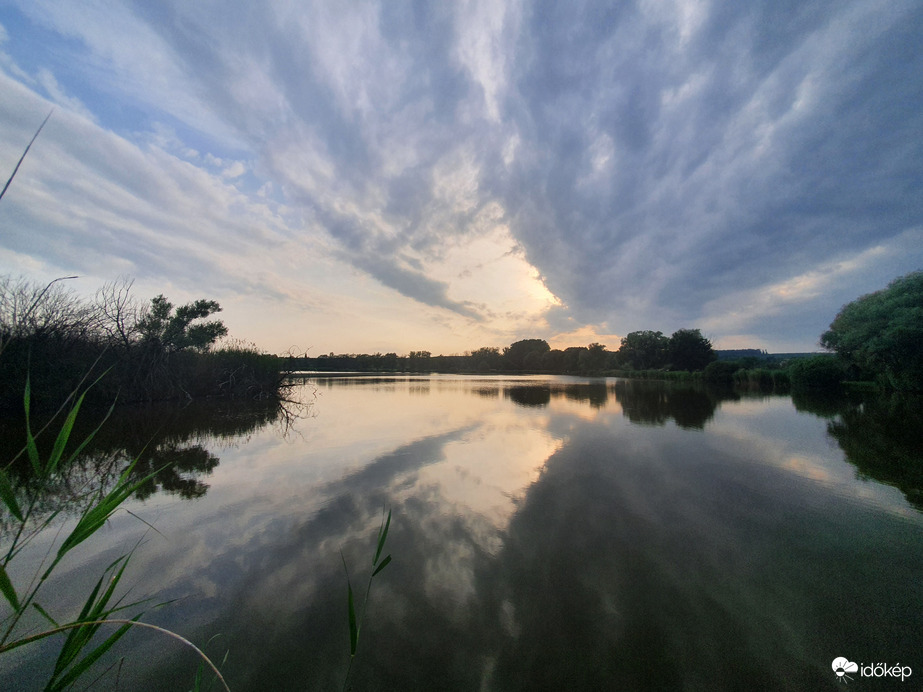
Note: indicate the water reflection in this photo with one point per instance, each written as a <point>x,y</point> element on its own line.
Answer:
<point>535,395</point>
<point>547,534</point>
<point>637,558</point>
<point>881,437</point>
<point>168,442</point>
<point>641,401</point>
<point>657,402</point>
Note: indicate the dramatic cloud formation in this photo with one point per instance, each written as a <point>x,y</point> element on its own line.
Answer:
<point>395,175</point>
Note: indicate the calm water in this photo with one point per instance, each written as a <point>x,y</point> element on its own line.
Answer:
<point>547,533</point>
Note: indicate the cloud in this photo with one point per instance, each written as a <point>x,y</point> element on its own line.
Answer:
<point>733,154</point>
<point>235,170</point>
<point>91,196</point>
<point>57,95</point>
<point>656,165</point>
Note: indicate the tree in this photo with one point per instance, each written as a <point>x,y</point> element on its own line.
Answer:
<point>644,350</point>
<point>486,358</point>
<point>515,354</point>
<point>570,358</point>
<point>174,330</point>
<point>882,333</point>
<point>118,313</point>
<point>822,371</point>
<point>594,358</point>
<point>689,350</point>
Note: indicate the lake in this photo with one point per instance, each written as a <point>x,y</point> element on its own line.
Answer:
<point>547,533</point>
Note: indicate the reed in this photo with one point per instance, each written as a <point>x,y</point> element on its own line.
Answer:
<point>78,652</point>
<point>354,622</point>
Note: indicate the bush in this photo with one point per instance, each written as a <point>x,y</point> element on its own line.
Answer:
<point>817,372</point>
<point>150,354</point>
<point>720,372</point>
<point>882,333</point>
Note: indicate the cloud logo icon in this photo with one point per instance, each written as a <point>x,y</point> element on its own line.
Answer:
<point>841,666</point>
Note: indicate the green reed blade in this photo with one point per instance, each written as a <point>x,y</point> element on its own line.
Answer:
<point>8,496</point>
<point>31,447</point>
<point>45,614</point>
<point>95,517</point>
<point>81,666</point>
<point>89,438</point>
<point>384,563</point>
<point>9,592</point>
<point>63,436</point>
<point>353,624</point>
<point>382,537</point>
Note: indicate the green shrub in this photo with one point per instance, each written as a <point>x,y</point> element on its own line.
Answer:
<point>882,333</point>
<point>817,372</point>
<point>720,372</point>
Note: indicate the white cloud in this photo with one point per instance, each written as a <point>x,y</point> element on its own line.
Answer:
<point>235,170</point>
<point>57,95</point>
<point>486,34</point>
<point>689,161</point>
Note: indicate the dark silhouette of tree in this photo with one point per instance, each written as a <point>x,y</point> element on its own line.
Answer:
<point>822,371</point>
<point>882,333</point>
<point>515,354</point>
<point>420,361</point>
<point>644,350</point>
<point>486,358</point>
<point>571,358</point>
<point>553,361</point>
<point>689,350</point>
<point>594,358</point>
<point>173,330</point>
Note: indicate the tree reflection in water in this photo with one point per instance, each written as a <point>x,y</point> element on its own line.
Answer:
<point>647,402</point>
<point>169,442</point>
<point>879,433</point>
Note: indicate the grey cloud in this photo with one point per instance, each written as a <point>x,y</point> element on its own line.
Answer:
<point>428,89</point>
<point>693,208</point>
<point>414,284</point>
<point>660,166</point>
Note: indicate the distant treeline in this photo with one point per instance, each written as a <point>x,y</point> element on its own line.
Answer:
<point>685,350</point>
<point>61,343</point>
<point>877,338</point>
<point>756,355</point>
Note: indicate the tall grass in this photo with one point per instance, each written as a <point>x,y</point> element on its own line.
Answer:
<point>354,621</point>
<point>78,652</point>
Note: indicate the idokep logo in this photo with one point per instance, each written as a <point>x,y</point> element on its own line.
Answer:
<point>842,666</point>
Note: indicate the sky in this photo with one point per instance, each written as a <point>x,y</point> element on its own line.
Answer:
<point>361,177</point>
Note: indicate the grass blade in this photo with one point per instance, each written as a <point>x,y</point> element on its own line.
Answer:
<point>384,563</point>
<point>45,614</point>
<point>9,592</point>
<point>94,518</point>
<point>8,496</point>
<point>83,664</point>
<point>90,437</point>
<point>63,436</point>
<point>31,447</point>
<point>353,624</point>
<point>351,611</point>
<point>382,537</point>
